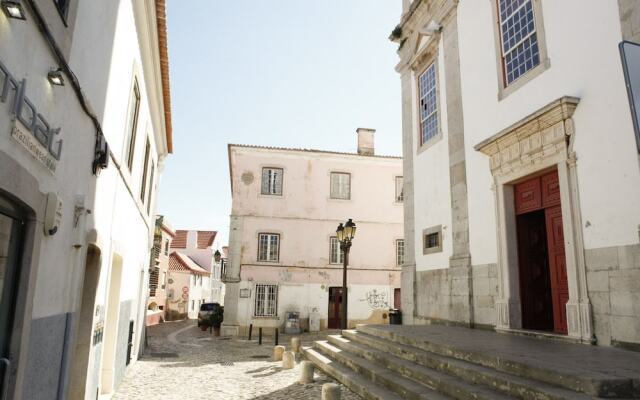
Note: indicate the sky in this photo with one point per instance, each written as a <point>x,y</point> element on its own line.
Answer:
<point>289,73</point>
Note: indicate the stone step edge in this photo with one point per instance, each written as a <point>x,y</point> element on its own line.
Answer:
<point>440,381</point>
<point>358,384</point>
<point>503,382</point>
<point>392,381</point>
<point>609,388</point>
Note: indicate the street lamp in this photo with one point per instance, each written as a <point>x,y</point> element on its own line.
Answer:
<point>13,9</point>
<point>345,234</point>
<point>217,255</point>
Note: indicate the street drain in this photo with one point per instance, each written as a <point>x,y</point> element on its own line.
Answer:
<point>260,356</point>
<point>164,355</point>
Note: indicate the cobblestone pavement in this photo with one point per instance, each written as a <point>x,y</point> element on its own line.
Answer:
<point>184,363</point>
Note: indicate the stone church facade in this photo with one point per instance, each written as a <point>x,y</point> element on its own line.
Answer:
<point>521,168</point>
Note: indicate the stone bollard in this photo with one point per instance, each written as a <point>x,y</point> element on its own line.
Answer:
<point>295,344</point>
<point>277,353</point>
<point>288,360</point>
<point>330,391</point>
<point>306,373</point>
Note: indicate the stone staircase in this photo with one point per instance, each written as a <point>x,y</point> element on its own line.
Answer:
<point>379,363</point>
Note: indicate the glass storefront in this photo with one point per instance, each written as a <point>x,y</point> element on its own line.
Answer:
<point>11,224</point>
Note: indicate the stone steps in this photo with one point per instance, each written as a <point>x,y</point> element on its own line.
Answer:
<point>448,373</point>
<point>559,383</point>
<point>389,363</point>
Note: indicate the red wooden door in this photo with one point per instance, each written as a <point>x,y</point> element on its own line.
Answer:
<point>334,318</point>
<point>544,290</point>
<point>557,268</point>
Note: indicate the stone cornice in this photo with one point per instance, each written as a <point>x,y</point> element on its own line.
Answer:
<point>546,117</point>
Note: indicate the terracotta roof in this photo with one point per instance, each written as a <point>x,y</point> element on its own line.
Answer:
<point>182,263</point>
<point>161,20</point>
<point>180,240</point>
<point>206,238</point>
<point>308,150</point>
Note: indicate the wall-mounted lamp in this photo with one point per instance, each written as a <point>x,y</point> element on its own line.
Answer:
<point>13,9</point>
<point>55,77</point>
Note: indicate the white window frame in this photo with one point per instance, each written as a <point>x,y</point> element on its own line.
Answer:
<point>272,180</point>
<point>336,254</point>
<point>265,302</point>
<point>400,252</point>
<point>436,111</point>
<point>399,181</point>
<point>340,185</point>
<point>272,251</point>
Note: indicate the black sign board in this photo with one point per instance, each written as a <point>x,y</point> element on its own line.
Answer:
<point>630,53</point>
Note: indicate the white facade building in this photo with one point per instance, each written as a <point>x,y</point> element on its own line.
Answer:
<point>522,172</point>
<point>283,253</point>
<point>76,233</point>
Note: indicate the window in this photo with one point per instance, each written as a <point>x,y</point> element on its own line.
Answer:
<point>337,254</point>
<point>266,303</point>
<point>166,247</point>
<point>518,38</point>
<point>399,252</point>
<point>132,124</point>
<point>272,181</point>
<point>268,247</point>
<point>145,166</point>
<point>432,240</point>
<point>153,171</point>
<point>428,104</point>
<point>340,185</point>
<point>63,8</point>
<point>399,189</point>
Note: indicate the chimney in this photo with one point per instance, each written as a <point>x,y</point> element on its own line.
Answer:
<point>365,141</point>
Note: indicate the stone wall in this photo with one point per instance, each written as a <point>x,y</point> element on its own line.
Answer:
<point>630,20</point>
<point>122,342</point>
<point>613,283</point>
<point>485,292</point>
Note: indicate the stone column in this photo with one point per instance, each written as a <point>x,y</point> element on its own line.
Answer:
<point>330,391</point>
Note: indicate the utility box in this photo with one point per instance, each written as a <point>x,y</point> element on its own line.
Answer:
<point>292,322</point>
<point>314,322</point>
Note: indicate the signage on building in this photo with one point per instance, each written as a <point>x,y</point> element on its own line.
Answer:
<point>31,129</point>
<point>630,53</point>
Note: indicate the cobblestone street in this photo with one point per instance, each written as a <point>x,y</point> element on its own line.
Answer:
<point>182,362</point>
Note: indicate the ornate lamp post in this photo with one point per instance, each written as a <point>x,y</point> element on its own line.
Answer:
<point>345,234</point>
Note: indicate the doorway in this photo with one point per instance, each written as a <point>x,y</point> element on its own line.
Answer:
<point>84,342</point>
<point>11,236</point>
<point>334,319</point>
<point>111,327</point>
<point>542,268</point>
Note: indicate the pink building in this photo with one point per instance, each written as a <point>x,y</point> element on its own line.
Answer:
<point>283,251</point>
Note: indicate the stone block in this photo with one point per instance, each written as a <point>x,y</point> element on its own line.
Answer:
<point>330,391</point>
<point>602,329</point>
<point>485,287</point>
<point>625,304</point>
<point>484,301</point>
<point>480,271</point>
<point>306,372</point>
<point>600,303</point>
<point>625,329</point>
<point>288,360</point>
<point>598,281</point>
<point>278,351</point>
<point>624,280</point>
<point>485,316</point>
<point>629,256</point>
<point>605,258</point>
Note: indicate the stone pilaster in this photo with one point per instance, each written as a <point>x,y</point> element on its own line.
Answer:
<point>232,278</point>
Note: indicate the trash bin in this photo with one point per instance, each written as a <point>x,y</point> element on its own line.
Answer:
<point>292,322</point>
<point>395,317</point>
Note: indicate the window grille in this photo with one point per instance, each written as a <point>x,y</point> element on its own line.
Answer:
<point>432,240</point>
<point>400,252</point>
<point>337,254</point>
<point>340,185</point>
<point>268,247</point>
<point>519,38</point>
<point>266,301</point>
<point>428,104</point>
<point>272,181</point>
<point>399,189</point>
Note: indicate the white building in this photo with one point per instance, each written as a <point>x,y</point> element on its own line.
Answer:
<point>283,251</point>
<point>188,287</point>
<point>522,206</point>
<point>76,233</point>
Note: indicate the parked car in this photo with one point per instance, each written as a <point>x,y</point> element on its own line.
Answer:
<point>206,310</point>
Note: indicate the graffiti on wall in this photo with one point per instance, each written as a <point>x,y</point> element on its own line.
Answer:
<point>376,300</point>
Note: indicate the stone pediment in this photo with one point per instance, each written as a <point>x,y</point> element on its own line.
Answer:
<point>541,134</point>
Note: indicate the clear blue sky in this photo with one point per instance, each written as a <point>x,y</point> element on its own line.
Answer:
<point>292,73</point>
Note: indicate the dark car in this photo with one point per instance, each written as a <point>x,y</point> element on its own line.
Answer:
<point>206,309</point>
